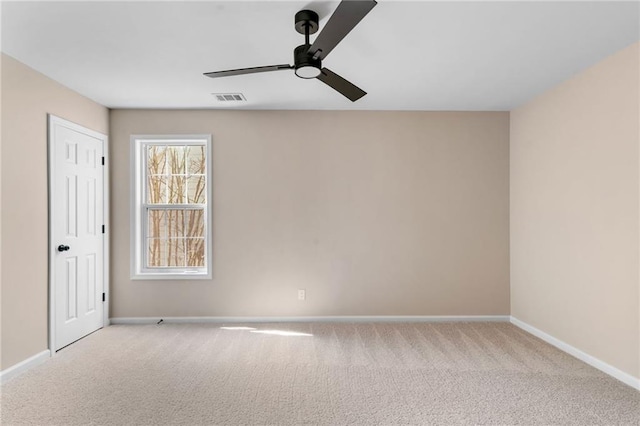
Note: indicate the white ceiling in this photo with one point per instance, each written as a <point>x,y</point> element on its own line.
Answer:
<point>406,55</point>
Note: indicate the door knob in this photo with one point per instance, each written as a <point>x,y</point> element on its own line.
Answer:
<point>62,247</point>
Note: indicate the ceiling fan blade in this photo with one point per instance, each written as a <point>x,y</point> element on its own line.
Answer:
<point>346,16</point>
<point>242,71</point>
<point>341,85</point>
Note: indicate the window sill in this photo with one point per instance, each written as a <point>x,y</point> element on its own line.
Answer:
<point>176,276</point>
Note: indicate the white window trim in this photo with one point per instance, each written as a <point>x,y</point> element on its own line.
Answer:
<point>138,272</point>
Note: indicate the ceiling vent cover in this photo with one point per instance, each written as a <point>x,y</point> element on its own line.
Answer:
<point>230,97</point>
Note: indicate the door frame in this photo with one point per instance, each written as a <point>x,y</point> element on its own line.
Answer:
<point>51,121</point>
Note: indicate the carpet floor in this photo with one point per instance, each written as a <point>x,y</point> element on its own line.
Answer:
<point>316,373</point>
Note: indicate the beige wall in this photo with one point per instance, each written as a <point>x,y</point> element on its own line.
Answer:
<point>27,97</point>
<point>373,213</point>
<point>574,211</point>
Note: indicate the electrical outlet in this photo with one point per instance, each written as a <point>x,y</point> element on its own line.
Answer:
<point>302,294</point>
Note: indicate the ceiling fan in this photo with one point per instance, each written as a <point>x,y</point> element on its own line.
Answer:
<point>307,58</point>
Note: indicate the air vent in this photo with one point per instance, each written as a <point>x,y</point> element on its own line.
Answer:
<point>230,97</point>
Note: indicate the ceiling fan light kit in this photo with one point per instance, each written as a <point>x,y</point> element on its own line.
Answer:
<point>307,58</point>
<point>305,65</point>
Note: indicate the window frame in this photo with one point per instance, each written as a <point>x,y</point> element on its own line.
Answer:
<point>139,208</point>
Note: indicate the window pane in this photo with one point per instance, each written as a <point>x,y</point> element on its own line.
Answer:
<point>156,160</point>
<point>157,190</point>
<point>195,252</point>
<point>196,190</point>
<point>157,223</point>
<point>175,223</point>
<point>156,252</point>
<point>196,159</point>
<point>166,245</point>
<point>175,252</point>
<point>163,252</point>
<point>177,188</point>
<point>176,159</point>
<point>194,223</point>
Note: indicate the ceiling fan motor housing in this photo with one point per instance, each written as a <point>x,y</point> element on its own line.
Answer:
<point>304,63</point>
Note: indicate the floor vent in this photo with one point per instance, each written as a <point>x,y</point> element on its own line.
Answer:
<point>229,97</point>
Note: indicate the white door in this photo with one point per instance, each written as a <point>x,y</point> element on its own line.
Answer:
<point>76,211</point>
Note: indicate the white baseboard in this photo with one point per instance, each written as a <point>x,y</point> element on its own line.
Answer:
<point>582,356</point>
<point>25,365</point>
<point>365,318</point>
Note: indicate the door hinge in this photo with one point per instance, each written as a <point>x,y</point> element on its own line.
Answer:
<point>103,229</point>
<point>103,161</point>
<point>103,297</point>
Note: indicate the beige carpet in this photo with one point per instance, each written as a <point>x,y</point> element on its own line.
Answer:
<point>355,374</point>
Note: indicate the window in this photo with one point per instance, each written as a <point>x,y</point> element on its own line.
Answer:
<point>171,207</point>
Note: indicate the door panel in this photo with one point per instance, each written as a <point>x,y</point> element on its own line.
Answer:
<point>71,281</point>
<point>71,211</point>
<point>92,282</point>
<point>77,218</point>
